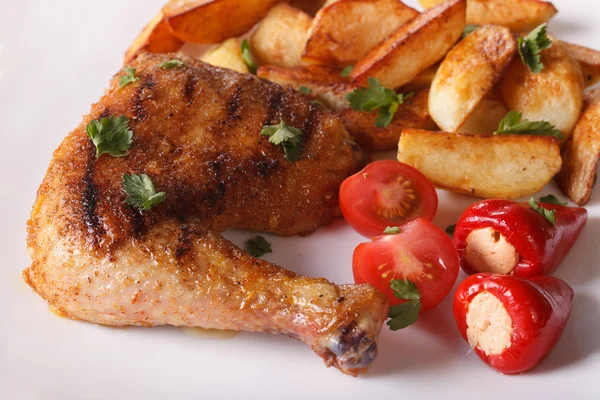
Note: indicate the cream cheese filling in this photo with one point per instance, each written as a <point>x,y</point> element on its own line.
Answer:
<point>488,251</point>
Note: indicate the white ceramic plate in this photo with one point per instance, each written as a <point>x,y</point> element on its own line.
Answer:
<point>56,57</point>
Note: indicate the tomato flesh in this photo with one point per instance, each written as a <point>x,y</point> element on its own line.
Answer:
<point>386,193</point>
<point>421,253</point>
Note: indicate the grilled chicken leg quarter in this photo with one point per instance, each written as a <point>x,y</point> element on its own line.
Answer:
<point>197,135</point>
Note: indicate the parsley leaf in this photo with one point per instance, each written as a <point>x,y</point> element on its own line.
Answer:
<point>550,215</point>
<point>404,314</point>
<point>258,246</point>
<point>346,71</point>
<point>450,229</point>
<point>288,137</point>
<point>110,135</point>
<point>128,78</point>
<point>377,97</point>
<point>552,199</point>
<point>304,90</point>
<point>171,64</point>
<point>141,192</point>
<point>531,46</point>
<point>514,123</point>
<point>248,57</point>
<point>469,29</point>
<point>392,230</point>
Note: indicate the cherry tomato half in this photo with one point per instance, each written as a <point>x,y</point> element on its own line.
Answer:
<point>421,253</point>
<point>386,193</point>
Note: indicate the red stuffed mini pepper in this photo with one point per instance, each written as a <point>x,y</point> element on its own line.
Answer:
<point>512,323</point>
<point>521,239</point>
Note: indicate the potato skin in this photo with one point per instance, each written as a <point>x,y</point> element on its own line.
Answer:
<point>554,95</point>
<point>414,47</point>
<point>589,60</point>
<point>156,37</point>
<point>344,31</point>
<point>204,21</point>
<point>517,15</point>
<point>581,154</point>
<point>469,71</point>
<point>505,166</point>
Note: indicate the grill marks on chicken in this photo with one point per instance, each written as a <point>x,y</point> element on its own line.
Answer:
<point>197,135</point>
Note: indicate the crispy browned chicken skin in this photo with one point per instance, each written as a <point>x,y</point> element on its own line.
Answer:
<point>197,135</point>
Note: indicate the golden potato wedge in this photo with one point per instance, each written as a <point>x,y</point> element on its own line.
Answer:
<point>308,6</point>
<point>413,113</point>
<point>344,31</point>
<point>469,71</point>
<point>213,21</point>
<point>486,117</point>
<point>281,36</point>
<point>414,47</point>
<point>517,15</point>
<point>325,83</point>
<point>156,37</point>
<point>507,166</point>
<point>580,156</point>
<point>421,81</point>
<point>554,95</point>
<point>227,55</point>
<point>589,60</point>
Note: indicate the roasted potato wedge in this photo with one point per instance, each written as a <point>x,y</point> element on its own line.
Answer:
<point>421,81</point>
<point>227,55</point>
<point>517,15</point>
<point>581,154</point>
<point>213,21</point>
<point>589,60</point>
<point>413,113</point>
<point>344,31</point>
<point>507,166</point>
<point>554,95</point>
<point>308,6</point>
<point>325,83</point>
<point>281,36</point>
<point>486,117</point>
<point>156,37</point>
<point>469,71</point>
<point>414,47</point>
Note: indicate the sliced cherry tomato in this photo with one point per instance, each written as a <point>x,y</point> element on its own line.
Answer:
<point>421,253</point>
<point>386,193</point>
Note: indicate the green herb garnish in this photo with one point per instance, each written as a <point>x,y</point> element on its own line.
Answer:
<point>128,78</point>
<point>531,46</point>
<point>304,90</point>
<point>346,71</point>
<point>392,230</point>
<point>141,192</point>
<point>171,64</point>
<point>248,57</point>
<point>550,215</point>
<point>377,97</point>
<point>258,246</point>
<point>514,124</point>
<point>110,135</point>
<point>552,199</point>
<point>288,137</point>
<point>404,314</point>
<point>469,29</point>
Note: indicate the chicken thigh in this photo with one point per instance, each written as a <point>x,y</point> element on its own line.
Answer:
<point>196,134</point>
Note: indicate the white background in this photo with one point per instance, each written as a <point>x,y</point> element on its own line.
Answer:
<point>56,58</point>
